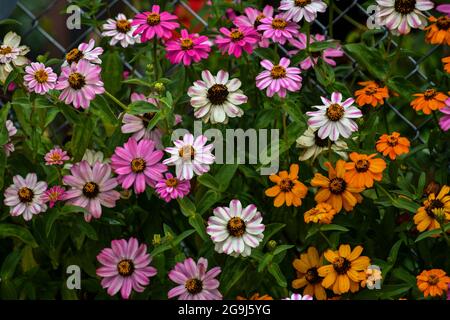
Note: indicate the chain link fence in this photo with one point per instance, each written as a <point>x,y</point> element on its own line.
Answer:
<point>35,18</point>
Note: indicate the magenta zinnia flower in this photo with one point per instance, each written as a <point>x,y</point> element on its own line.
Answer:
<point>137,163</point>
<point>194,282</point>
<point>188,48</point>
<point>125,267</point>
<point>53,195</point>
<point>252,19</point>
<point>170,187</point>
<point>444,122</point>
<point>279,78</point>
<point>236,40</point>
<point>39,79</point>
<point>91,188</point>
<point>56,156</point>
<point>278,29</point>
<point>154,23</point>
<point>80,83</point>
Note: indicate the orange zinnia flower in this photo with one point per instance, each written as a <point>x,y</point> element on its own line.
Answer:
<point>372,94</point>
<point>288,188</point>
<point>438,32</point>
<point>307,275</point>
<point>256,296</point>
<point>433,282</point>
<point>435,210</point>
<point>392,145</point>
<point>363,170</point>
<point>321,213</point>
<point>334,190</point>
<point>446,62</point>
<point>428,101</point>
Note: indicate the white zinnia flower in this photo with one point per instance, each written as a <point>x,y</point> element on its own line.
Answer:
<point>334,118</point>
<point>234,230</point>
<point>11,53</point>
<point>297,9</point>
<point>85,51</point>
<point>217,98</point>
<point>313,145</point>
<point>24,196</point>
<point>120,30</point>
<point>400,16</point>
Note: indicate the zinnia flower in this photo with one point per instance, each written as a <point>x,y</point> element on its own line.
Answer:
<point>278,29</point>
<point>12,130</point>
<point>434,212</point>
<point>125,267</point>
<point>91,188</point>
<point>154,24</point>
<point>298,296</point>
<point>371,94</point>
<point>236,40</point>
<point>313,145</point>
<point>296,10</point>
<point>85,51</point>
<point>24,196</point>
<point>279,78</point>
<point>334,118</point>
<point>194,281</point>
<point>255,296</point>
<point>438,32</point>
<point>53,195</point>
<point>170,188</point>
<point>190,156</point>
<point>444,8</point>
<point>252,19</point>
<point>444,121</point>
<point>334,190</point>
<point>446,62</point>
<point>56,156</point>
<point>322,213</point>
<point>287,189</point>
<point>346,269</point>
<point>236,230</point>
<point>217,98</point>
<point>188,48</point>
<point>39,79</point>
<point>429,100</point>
<point>80,83</point>
<point>400,16</point>
<point>433,282</point>
<point>392,145</point>
<point>363,170</point>
<point>138,164</point>
<point>11,54</point>
<point>120,30</point>
<point>307,275</point>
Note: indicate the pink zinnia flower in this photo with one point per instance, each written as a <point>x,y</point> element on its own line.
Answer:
<point>194,282</point>
<point>154,23</point>
<point>138,164</point>
<point>125,267</point>
<point>444,8</point>
<point>188,48</point>
<point>298,296</point>
<point>91,188</point>
<point>278,29</point>
<point>236,40</point>
<point>444,122</point>
<point>296,10</point>
<point>12,130</point>
<point>170,187</point>
<point>279,78</point>
<point>80,83</point>
<point>56,156</point>
<point>252,19</point>
<point>327,55</point>
<point>39,79</point>
<point>53,195</point>
<point>85,51</point>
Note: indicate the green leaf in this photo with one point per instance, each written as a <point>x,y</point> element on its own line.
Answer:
<point>112,69</point>
<point>282,248</point>
<point>225,175</point>
<point>369,59</point>
<point>208,200</point>
<point>333,227</point>
<point>196,221</point>
<point>401,86</point>
<point>431,233</point>
<point>187,206</point>
<point>275,271</point>
<point>12,230</point>
<point>4,22</point>
<point>270,231</point>
<point>164,247</point>
<point>9,265</point>
<point>141,107</point>
<point>87,229</point>
<point>294,111</point>
<point>54,214</point>
<point>101,108</point>
<point>138,82</point>
<point>208,181</point>
<point>322,45</point>
<point>403,203</point>
<point>82,137</point>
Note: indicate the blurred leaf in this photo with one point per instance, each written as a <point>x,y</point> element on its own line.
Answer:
<point>9,265</point>
<point>208,200</point>
<point>208,181</point>
<point>368,58</point>
<point>142,107</point>
<point>225,175</point>
<point>275,270</point>
<point>197,222</point>
<point>406,204</point>
<point>112,69</point>
<point>12,230</point>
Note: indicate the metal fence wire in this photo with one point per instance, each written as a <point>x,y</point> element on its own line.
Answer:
<point>344,11</point>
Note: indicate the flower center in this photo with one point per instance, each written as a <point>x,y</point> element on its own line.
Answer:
<point>433,280</point>
<point>405,6</point>
<point>337,185</point>
<point>187,152</point>
<point>41,76</point>
<point>91,190</point>
<point>25,194</point>
<point>335,112</point>
<point>370,91</point>
<point>138,165</point>
<point>55,156</point>
<point>312,276</point>
<point>147,117</point>
<point>278,72</point>
<point>279,24</point>
<point>429,94</point>
<point>125,267</point>
<point>4,50</point>
<point>74,55</point>
<point>434,204</point>
<point>392,141</point>
<point>187,44</point>
<point>443,23</point>
<point>286,185</point>
<point>172,182</point>
<point>341,265</point>
<point>362,165</point>
<point>153,19</point>
<point>194,286</point>
<point>258,19</point>
<point>76,81</point>
<point>319,141</point>
<point>236,35</point>
<point>123,26</point>
<point>302,3</point>
<point>217,94</point>
<point>236,227</point>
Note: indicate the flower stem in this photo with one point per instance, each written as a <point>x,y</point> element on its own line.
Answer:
<point>117,101</point>
<point>445,234</point>
<point>326,239</point>
<point>308,36</point>
<point>155,59</point>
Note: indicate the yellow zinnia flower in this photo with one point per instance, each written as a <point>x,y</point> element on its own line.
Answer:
<point>434,210</point>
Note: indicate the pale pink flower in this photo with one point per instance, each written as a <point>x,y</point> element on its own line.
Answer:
<point>296,10</point>
<point>12,130</point>
<point>252,19</point>
<point>236,40</point>
<point>120,30</point>
<point>188,48</point>
<point>298,296</point>
<point>53,195</point>
<point>85,51</point>
<point>39,79</point>
<point>56,156</point>
<point>278,29</point>
<point>154,24</point>
<point>170,188</point>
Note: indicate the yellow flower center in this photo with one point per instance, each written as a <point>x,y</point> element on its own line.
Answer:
<point>153,19</point>
<point>25,194</point>
<point>187,152</point>
<point>5,50</point>
<point>194,286</point>
<point>279,24</point>
<point>123,25</point>
<point>370,91</point>
<point>337,185</point>
<point>172,182</point>
<point>138,165</point>
<point>278,72</point>
<point>187,44</point>
<point>76,81</point>
<point>217,94</point>
<point>125,267</point>
<point>302,3</point>
<point>286,185</point>
<point>362,165</point>
<point>91,190</point>
<point>41,76</point>
<point>405,6</point>
<point>341,265</point>
<point>392,141</point>
<point>74,55</point>
<point>429,94</point>
<point>236,35</point>
<point>236,227</point>
<point>335,112</point>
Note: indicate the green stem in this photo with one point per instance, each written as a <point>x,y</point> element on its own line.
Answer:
<point>436,120</point>
<point>330,19</point>
<point>155,59</point>
<point>308,36</point>
<point>326,239</point>
<point>445,234</point>
<point>117,101</point>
